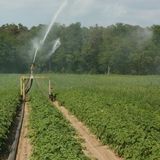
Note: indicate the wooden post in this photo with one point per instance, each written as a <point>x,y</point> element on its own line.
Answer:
<point>49,88</point>
<point>23,89</point>
<point>108,73</point>
<point>21,86</point>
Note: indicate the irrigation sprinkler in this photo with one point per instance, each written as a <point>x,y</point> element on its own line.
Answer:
<point>26,82</point>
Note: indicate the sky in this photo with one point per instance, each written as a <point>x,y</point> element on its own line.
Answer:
<point>88,12</point>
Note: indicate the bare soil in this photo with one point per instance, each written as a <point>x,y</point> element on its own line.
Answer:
<point>24,146</point>
<point>94,149</point>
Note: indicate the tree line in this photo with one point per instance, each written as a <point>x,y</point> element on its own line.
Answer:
<point>118,49</point>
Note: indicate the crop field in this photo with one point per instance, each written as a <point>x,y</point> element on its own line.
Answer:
<point>83,84</point>
<point>51,135</point>
<point>9,99</point>
<point>122,111</point>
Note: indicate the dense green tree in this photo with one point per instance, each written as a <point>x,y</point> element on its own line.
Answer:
<point>120,48</point>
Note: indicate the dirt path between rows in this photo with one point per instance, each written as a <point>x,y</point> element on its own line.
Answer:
<point>93,147</point>
<point>24,146</point>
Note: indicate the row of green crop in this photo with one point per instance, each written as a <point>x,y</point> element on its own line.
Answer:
<point>122,111</point>
<point>9,100</point>
<point>51,136</point>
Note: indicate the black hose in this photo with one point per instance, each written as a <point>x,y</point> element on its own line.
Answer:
<point>14,148</point>
<point>29,85</point>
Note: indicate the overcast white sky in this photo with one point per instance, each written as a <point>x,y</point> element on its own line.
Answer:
<point>88,12</point>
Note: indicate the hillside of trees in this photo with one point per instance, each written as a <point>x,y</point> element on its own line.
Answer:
<point>120,48</point>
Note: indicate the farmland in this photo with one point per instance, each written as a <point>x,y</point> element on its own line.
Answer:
<point>9,100</point>
<point>83,84</point>
<point>51,135</point>
<point>123,111</point>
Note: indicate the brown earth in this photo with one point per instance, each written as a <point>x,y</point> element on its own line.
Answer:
<point>93,147</point>
<point>24,146</point>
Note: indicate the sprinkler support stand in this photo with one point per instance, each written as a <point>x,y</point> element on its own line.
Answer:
<point>23,84</point>
<point>49,88</point>
<point>23,88</point>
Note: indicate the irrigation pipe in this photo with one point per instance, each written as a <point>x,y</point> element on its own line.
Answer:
<point>14,148</point>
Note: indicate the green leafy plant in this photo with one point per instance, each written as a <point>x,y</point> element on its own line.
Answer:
<point>51,135</point>
<point>122,111</point>
<point>9,100</point>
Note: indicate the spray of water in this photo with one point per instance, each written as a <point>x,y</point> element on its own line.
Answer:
<point>56,45</point>
<point>35,54</point>
<point>50,27</point>
<point>54,19</point>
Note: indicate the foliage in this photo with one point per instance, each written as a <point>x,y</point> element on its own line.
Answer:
<point>123,111</point>
<point>9,100</point>
<point>123,48</point>
<point>51,135</point>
